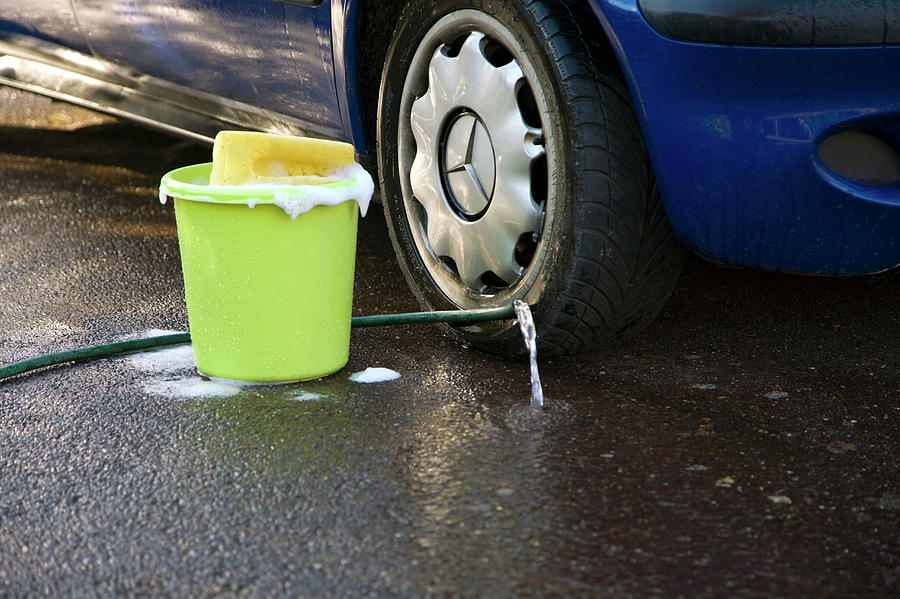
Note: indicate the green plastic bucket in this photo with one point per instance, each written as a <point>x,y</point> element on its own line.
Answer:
<point>269,297</point>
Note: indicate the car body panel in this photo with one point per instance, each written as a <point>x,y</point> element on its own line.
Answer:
<point>808,23</point>
<point>346,46</point>
<point>51,21</point>
<point>733,133</point>
<point>258,52</point>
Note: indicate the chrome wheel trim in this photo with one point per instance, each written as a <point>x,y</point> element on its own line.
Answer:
<point>466,159</point>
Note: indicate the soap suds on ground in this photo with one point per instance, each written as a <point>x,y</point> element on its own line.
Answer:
<point>190,388</point>
<point>172,373</point>
<point>374,375</point>
<point>306,396</point>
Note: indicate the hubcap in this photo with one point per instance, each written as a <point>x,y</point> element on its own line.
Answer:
<point>469,169</point>
<point>469,142</point>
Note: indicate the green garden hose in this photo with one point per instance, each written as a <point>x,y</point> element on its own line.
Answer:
<point>108,350</point>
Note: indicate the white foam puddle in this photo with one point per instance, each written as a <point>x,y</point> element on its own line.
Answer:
<point>170,360</point>
<point>526,324</point>
<point>374,375</point>
<point>190,388</point>
<point>172,373</point>
<point>306,396</point>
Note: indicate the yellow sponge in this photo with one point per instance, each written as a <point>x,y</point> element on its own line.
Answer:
<point>241,157</point>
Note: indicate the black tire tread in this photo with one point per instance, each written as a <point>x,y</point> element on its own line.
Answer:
<point>641,257</point>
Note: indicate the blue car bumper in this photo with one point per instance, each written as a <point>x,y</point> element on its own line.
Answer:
<point>778,157</point>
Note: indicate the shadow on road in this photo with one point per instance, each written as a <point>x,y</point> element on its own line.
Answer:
<point>112,144</point>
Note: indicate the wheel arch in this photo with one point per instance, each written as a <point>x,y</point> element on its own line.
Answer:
<point>610,15</point>
<point>602,10</point>
<point>366,26</point>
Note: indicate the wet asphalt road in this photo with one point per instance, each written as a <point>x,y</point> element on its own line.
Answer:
<point>745,445</point>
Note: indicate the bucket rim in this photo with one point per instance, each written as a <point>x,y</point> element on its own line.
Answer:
<point>192,183</point>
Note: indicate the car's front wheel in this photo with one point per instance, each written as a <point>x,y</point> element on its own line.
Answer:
<point>512,166</point>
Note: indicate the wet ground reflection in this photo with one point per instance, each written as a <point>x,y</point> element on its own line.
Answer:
<point>438,483</point>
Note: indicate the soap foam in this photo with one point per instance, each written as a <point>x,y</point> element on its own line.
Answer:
<point>303,198</point>
<point>169,360</point>
<point>299,199</point>
<point>172,372</point>
<point>190,388</point>
<point>374,375</point>
<point>306,396</point>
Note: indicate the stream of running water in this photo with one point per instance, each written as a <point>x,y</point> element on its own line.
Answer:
<point>526,323</point>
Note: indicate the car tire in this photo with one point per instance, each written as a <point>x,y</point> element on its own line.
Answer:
<point>512,166</point>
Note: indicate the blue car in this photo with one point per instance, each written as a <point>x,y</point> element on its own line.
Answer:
<point>565,152</point>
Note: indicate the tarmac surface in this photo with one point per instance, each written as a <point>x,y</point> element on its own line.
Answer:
<point>745,445</point>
